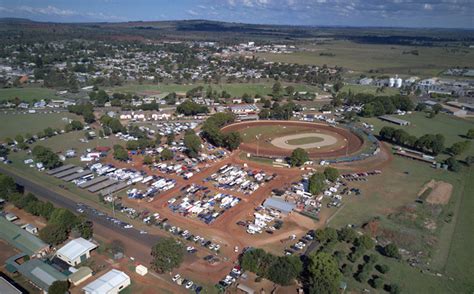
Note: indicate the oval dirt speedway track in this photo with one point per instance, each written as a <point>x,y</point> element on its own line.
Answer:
<point>269,130</point>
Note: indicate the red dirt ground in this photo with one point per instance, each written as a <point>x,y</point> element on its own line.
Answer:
<point>353,144</point>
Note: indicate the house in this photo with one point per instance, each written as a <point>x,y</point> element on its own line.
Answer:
<point>110,283</point>
<point>141,270</point>
<point>76,251</point>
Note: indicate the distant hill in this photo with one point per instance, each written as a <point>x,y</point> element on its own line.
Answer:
<point>224,31</point>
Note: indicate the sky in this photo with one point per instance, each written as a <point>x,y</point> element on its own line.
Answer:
<point>387,13</point>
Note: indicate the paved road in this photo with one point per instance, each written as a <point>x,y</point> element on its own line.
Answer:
<point>136,244</point>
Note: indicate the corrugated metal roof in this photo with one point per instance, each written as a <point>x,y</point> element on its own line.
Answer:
<point>279,204</point>
<point>75,248</point>
<point>107,283</point>
<point>20,238</point>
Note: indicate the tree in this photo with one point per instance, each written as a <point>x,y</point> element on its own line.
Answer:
<point>64,217</point>
<point>324,275</point>
<point>166,154</point>
<point>120,153</point>
<point>326,235</point>
<point>147,160</point>
<point>437,108</point>
<point>469,160</point>
<point>46,156</point>
<point>232,140</point>
<point>347,234</point>
<point>298,157</point>
<point>59,287</point>
<point>453,164</point>
<point>189,108</point>
<point>7,186</point>
<point>365,242</point>
<point>394,289</point>
<point>470,134</point>
<point>377,282</point>
<point>382,268</point>
<point>331,173</point>
<point>285,269</point>
<point>167,254</point>
<point>391,250</point>
<point>459,147</point>
<point>53,234</point>
<point>85,228</point>
<point>192,144</point>
<point>316,183</point>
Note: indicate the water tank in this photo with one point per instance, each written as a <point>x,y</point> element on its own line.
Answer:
<point>398,83</point>
<point>391,82</point>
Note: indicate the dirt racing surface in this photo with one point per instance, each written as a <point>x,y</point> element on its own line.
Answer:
<point>440,192</point>
<point>347,144</point>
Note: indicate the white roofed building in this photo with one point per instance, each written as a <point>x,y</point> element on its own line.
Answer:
<point>112,282</point>
<point>76,251</point>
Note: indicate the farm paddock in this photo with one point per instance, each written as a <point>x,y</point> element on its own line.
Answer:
<point>279,138</point>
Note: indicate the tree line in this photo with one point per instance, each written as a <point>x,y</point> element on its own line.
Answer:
<point>60,221</point>
<point>211,131</point>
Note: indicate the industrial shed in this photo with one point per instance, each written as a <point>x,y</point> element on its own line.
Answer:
<point>76,251</point>
<point>110,283</point>
<point>279,204</point>
<point>21,239</point>
<point>394,120</point>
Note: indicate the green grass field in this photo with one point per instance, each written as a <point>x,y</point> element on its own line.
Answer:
<point>383,59</point>
<point>307,140</point>
<point>27,93</point>
<point>451,127</point>
<point>14,124</point>
<point>362,89</point>
<point>235,89</point>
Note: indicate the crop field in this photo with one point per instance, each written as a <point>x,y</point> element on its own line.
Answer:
<point>12,124</point>
<point>235,89</point>
<point>27,93</point>
<point>381,59</point>
<point>452,128</point>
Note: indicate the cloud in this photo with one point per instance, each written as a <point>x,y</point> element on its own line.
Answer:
<point>48,10</point>
<point>192,12</point>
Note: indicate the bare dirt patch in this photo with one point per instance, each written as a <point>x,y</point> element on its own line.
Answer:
<point>440,192</point>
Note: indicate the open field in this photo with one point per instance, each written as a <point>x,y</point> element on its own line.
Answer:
<point>27,93</point>
<point>268,132</point>
<point>383,59</point>
<point>452,128</point>
<point>235,89</point>
<point>14,124</point>
<point>362,89</point>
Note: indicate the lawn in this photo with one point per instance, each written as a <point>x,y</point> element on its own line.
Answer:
<point>452,128</point>
<point>27,93</point>
<point>12,124</point>
<point>380,59</point>
<point>235,89</point>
